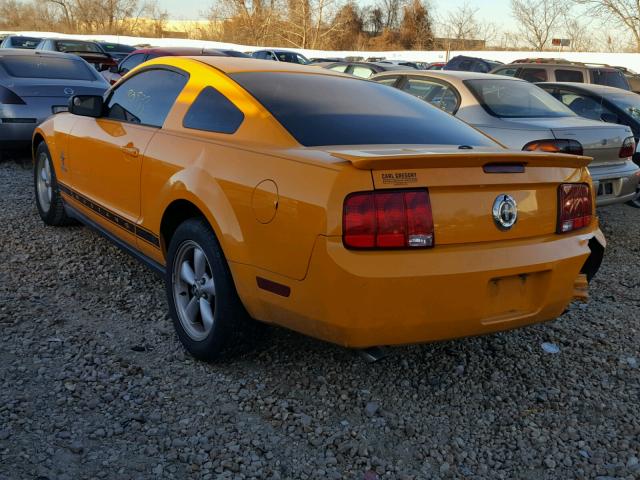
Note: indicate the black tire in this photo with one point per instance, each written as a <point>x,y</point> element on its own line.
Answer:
<point>635,202</point>
<point>232,327</point>
<point>53,214</point>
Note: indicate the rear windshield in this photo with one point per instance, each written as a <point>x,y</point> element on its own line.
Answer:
<point>74,46</point>
<point>37,66</point>
<point>611,78</point>
<point>506,98</point>
<point>25,42</point>
<point>326,110</point>
<point>117,47</point>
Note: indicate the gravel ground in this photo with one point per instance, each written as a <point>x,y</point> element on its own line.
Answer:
<point>94,384</point>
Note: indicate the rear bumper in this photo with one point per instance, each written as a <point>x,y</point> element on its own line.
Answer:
<point>623,179</point>
<point>17,122</point>
<point>16,133</point>
<point>363,299</point>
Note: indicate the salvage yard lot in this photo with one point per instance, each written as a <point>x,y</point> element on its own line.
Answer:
<point>94,383</point>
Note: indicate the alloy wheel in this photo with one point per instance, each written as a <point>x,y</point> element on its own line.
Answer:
<point>194,290</point>
<point>43,184</point>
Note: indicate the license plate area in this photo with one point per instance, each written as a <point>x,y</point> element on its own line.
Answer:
<point>514,296</point>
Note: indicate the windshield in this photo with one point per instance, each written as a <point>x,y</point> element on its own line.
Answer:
<point>73,46</point>
<point>292,57</point>
<point>47,67</point>
<point>335,110</point>
<point>506,98</point>
<point>630,104</point>
<point>117,47</point>
<point>611,78</point>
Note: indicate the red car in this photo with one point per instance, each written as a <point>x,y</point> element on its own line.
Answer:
<point>136,57</point>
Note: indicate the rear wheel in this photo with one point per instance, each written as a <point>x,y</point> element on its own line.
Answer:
<point>48,199</point>
<point>207,313</point>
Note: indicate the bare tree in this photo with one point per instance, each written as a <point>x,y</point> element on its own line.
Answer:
<point>391,11</point>
<point>537,19</point>
<point>580,33</point>
<point>462,24</point>
<point>348,25</point>
<point>415,29</point>
<point>625,13</point>
<point>307,24</point>
<point>253,22</point>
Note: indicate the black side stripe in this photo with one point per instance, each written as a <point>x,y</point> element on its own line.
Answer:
<point>140,232</point>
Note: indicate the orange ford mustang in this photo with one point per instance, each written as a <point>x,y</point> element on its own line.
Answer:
<point>334,206</point>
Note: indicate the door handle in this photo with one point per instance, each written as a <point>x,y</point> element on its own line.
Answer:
<point>130,150</point>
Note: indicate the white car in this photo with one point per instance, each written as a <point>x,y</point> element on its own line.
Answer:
<point>522,116</point>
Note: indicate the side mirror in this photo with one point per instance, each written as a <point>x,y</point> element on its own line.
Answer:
<point>86,105</point>
<point>609,117</point>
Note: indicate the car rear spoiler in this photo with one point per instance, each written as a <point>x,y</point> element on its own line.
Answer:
<point>394,159</point>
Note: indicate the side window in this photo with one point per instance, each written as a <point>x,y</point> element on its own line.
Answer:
<point>362,72</point>
<point>509,71</point>
<point>582,105</point>
<point>480,67</point>
<point>391,81</point>
<point>437,94</point>
<point>534,75</point>
<point>146,98</point>
<point>339,68</point>
<point>131,62</point>
<point>464,65</point>
<point>213,112</point>
<point>569,76</point>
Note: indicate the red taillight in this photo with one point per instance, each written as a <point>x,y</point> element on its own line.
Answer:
<point>628,148</point>
<point>571,147</point>
<point>575,207</point>
<point>388,219</point>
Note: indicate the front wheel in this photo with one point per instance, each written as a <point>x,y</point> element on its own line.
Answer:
<point>48,198</point>
<point>207,313</point>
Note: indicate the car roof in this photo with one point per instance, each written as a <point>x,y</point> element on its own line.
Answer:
<point>7,52</point>
<point>562,64</point>
<point>178,51</point>
<point>69,40</point>
<point>588,87</point>
<point>231,65</point>
<point>21,36</point>
<point>459,75</point>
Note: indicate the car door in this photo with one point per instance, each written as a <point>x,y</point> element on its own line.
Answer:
<point>105,154</point>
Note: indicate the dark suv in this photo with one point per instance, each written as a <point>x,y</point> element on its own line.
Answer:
<point>559,70</point>
<point>471,64</point>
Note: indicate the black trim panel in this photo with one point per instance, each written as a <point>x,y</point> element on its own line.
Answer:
<point>140,232</point>
<point>149,262</point>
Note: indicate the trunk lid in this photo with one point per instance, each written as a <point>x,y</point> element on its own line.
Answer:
<point>463,186</point>
<point>601,141</point>
<point>62,89</point>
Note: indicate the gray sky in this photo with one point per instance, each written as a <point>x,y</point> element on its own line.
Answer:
<point>496,11</point>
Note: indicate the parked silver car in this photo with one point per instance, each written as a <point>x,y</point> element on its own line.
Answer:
<point>522,116</point>
<point>35,85</point>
